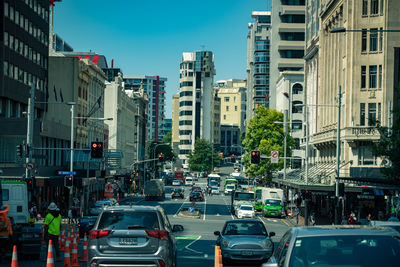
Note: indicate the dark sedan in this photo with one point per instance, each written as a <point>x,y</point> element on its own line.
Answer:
<point>177,192</point>
<point>196,196</point>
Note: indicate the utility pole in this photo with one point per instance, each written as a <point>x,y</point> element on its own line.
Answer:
<point>339,105</point>
<point>306,213</point>
<point>29,131</point>
<point>285,131</point>
<point>71,165</point>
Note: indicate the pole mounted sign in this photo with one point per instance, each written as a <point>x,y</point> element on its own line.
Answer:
<point>274,156</point>
<point>30,166</point>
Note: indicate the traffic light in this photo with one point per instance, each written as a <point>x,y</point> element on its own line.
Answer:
<point>307,195</point>
<point>68,181</point>
<point>161,157</point>
<point>19,150</point>
<point>255,157</point>
<point>96,150</point>
<point>233,159</point>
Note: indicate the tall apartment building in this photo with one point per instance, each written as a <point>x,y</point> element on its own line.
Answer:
<point>175,127</point>
<point>233,102</point>
<point>24,53</point>
<point>154,87</point>
<point>287,44</point>
<point>196,100</point>
<point>258,62</point>
<point>365,64</point>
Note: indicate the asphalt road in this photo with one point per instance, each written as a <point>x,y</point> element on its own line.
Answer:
<point>196,243</point>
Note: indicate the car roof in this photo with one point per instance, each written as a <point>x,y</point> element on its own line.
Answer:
<point>345,230</point>
<point>384,223</point>
<point>243,220</point>
<point>133,207</point>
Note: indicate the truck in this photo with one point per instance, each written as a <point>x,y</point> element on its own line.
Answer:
<point>272,202</point>
<point>214,177</point>
<point>154,189</point>
<point>180,175</point>
<point>15,195</point>
<point>241,197</point>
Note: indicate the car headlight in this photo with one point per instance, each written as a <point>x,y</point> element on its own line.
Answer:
<point>268,243</point>
<point>225,243</point>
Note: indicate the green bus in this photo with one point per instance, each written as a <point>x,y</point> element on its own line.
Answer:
<point>231,181</point>
<point>258,205</point>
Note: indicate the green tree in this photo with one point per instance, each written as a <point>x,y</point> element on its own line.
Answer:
<point>156,148</point>
<point>389,143</point>
<point>203,158</point>
<point>265,135</point>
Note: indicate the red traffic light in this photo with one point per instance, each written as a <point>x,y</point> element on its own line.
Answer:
<point>253,153</point>
<point>94,145</point>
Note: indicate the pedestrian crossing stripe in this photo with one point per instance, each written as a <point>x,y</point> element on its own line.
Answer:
<point>187,237</point>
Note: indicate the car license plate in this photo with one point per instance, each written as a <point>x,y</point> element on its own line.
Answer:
<point>247,253</point>
<point>127,241</point>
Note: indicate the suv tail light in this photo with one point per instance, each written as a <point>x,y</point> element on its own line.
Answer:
<point>161,263</point>
<point>95,234</point>
<point>160,234</point>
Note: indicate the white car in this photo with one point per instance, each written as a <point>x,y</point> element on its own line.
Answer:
<point>214,190</point>
<point>245,211</point>
<point>229,188</point>
<point>176,182</point>
<point>189,181</point>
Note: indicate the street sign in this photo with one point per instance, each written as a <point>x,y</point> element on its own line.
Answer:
<point>109,190</point>
<point>66,173</point>
<point>274,156</point>
<point>191,209</point>
<point>30,166</point>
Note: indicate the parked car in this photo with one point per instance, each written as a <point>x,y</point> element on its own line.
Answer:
<point>337,245</point>
<point>196,196</point>
<point>133,236</point>
<point>177,192</point>
<point>177,182</point>
<point>214,190</point>
<point>245,241</point>
<point>245,211</point>
<point>391,224</point>
<point>86,224</point>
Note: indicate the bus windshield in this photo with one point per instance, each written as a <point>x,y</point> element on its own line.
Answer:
<point>231,181</point>
<point>258,193</point>
<point>244,196</point>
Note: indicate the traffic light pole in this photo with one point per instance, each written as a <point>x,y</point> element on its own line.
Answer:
<point>71,165</point>
<point>285,130</point>
<point>29,134</point>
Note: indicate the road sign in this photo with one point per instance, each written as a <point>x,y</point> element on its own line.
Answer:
<point>191,209</point>
<point>274,156</point>
<point>30,166</point>
<point>66,173</point>
<point>109,190</point>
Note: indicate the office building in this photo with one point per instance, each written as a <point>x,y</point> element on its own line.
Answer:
<point>196,101</point>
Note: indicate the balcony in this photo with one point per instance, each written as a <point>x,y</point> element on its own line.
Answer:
<point>292,10</point>
<point>292,27</point>
<point>328,136</point>
<point>291,63</point>
<point>290,45</point>
<point>360,133</point>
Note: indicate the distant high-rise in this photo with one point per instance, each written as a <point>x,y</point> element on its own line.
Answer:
<point>196,100</point>
<point>258,62</point>
<point>154,86</point>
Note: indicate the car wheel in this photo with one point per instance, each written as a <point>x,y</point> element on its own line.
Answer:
<point>225,261</point>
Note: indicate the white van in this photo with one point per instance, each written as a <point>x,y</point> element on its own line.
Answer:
<point>15,194</point>
<point>189,181</point>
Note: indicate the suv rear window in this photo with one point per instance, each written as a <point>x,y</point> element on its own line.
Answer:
<point>129,220</point>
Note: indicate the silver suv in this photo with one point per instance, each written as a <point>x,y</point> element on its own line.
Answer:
<point>132,236</point>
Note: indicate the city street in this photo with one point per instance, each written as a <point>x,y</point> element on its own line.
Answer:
<point>196,242</point>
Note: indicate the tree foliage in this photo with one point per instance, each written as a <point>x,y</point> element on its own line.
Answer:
<point>203,157</point>
<point>388,145</point>
<point>156,148</point>
<point>265,135</point>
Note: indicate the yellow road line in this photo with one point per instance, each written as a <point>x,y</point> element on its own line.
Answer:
<point>285,222</point>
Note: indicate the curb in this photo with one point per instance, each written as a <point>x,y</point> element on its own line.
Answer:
<point>180,214</point>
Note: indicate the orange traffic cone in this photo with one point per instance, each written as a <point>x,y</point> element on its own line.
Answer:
<point>74,256</point>
<point>84,253</point>
<point>14,260</point>
<point>67,257</point>
<point>50,257</point>
<point>61,243</point>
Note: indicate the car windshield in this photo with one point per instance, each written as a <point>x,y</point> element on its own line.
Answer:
<point>214,188</point>
<point>246,207</point>
<point>230,187</point>
<point>273,202</point>
<point>365,251</point>
<point>128,220</point>
<point>244,228</point>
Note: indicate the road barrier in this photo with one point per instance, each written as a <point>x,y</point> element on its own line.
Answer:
<point>218,257</point>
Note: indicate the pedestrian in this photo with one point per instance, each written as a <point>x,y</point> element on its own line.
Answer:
<point>369,218</point>
<point>352,218</point>
<point>297,214</point>
<point>52,224</point>
<point>70,216</point>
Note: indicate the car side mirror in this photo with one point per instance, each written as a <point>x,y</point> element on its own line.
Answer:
<point>217,233</point>
<point>271,234</point>
<point>177,228</point>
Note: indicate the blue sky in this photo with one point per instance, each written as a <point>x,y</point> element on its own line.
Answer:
<point>148,37</point>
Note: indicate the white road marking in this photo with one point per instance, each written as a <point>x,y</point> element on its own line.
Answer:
<point>205,207</point>
<point>181,207</point>
<point>195,251</point>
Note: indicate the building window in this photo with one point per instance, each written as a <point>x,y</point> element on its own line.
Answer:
<point>380,39</point>
<point>235,108</point>
<point>227,108</point>
<point>366,155</point>
<point>372,76</point>
<point>381,8</point>
<point>364,40</point>
<point>226,99</point>
<point>12,13</point>
<point>365,7</point>
<point>296,108</point>
<point>297,89</point>
<point>5,38</point>
<point>5,69</point>
<point>362,114</point>
<point>6,9</point>
<point>371,114</point>
<point>374,7</point>
<point>224,117</point>
<point>379,112</point>
<point>380,77</point>
<point>373,40</point>
<point>363,77</point>
<point>296,125</point>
